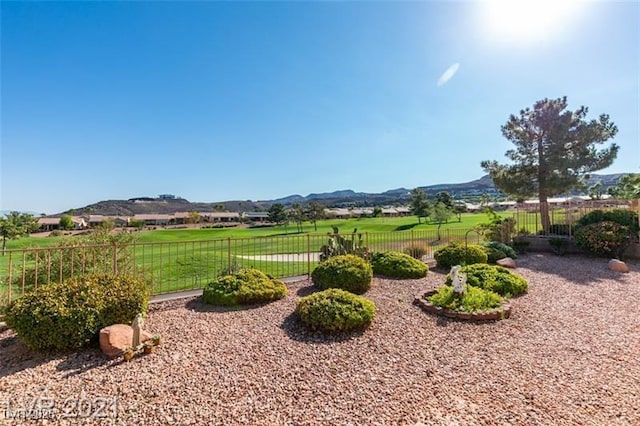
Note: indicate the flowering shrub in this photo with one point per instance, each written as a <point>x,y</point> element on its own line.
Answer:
<point>603,238</point>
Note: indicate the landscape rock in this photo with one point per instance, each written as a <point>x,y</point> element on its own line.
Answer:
<point>115,338</point>
<point>618,266</point>
<point>507,262</point>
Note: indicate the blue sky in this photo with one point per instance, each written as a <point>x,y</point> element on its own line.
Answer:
<point>215,101</point>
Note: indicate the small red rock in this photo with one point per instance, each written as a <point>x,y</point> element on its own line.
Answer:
<point>115,338</point>
<point>618,266</point>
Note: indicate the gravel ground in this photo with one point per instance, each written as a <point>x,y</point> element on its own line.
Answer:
<point>569,354</point>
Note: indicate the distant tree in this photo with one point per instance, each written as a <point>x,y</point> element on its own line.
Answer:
<point>377,211</point>
<point>218,207</point>
<point>595,191</point>
<point>627,188</point>
<point>15,225</point>
<point>555,150</point>
<point>314,212</point>
<point>66,222</point>
<point>445,198</point>
<point>278,215</point>
<point>297,215</point>
<point>194,217</point>
<point>136,223</point>
<point>458,209</point>
<point>418,203</point>
<point>107,225</point>
<point>440,214</point>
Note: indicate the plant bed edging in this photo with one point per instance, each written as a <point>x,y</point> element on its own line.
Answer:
<point>504,311</point>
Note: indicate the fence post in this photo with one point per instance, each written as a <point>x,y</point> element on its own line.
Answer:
<point>115,258</point>
<point>413,241</point>
<point>229,253</point>
<point>308,256</point>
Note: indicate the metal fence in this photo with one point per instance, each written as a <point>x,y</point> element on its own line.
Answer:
<point>563,216</point>
<point>177,266</point>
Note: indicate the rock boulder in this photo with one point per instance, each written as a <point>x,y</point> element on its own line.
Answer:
<point>507,262</point>
<point>115,338</point>
<point>618,266</point>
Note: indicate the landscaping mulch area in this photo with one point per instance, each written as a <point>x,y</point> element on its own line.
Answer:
<point>569,354</point>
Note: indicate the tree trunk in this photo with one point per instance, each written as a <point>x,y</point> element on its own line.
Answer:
<point>4,245</point>
<point>439,225</point>
<point>315,226</point>
<point>544,213</point>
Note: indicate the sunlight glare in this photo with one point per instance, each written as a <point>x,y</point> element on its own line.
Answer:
<point>525,21</point>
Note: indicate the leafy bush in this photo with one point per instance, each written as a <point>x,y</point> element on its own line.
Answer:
<point>558,245</point>
<point>624,217</point>
<point>247,286</point>
<point>498,228</point>
<point>493,254</point>
<point>520,246</point>
<point>507,250</point>
<point>603,238</point>
<point>335,310</point>
<point>457,254</point>
<point>394,264</point>
<point>69,315</point>
<point>493,278</point>
<point>416,251</point>
<point>339,245</point>
<point>347,272</point>
<point>473,300</point>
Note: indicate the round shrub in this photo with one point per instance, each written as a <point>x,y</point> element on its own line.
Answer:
<point>346,272</point>
<point>624,217</point>
<point>493,278</point>
<point>493,254</point>
<point>394,264</point>
<point>63,316</point>
<point>416,251</point>
<point>457,254</point>
<point>245,287</point>
<point>474,299</point>
<point>335,311</point>
<point>603,238</point>
<point>507,250</point>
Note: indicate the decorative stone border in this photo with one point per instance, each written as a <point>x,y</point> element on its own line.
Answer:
<point>504,311</point>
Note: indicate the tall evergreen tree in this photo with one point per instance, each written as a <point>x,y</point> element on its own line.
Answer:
<point>555,149</point>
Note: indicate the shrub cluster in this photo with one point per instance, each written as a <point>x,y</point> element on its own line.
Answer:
<point>416,251</point>
<point>335,310</point>
<point>457,254</point>
<point>244,287</point>
<point>69,315</point>
<point>603,238</point>
<point>493,254</point>
<point>507,250</point>
<point>624,217</point>
<point>394,264</point>
<point>474,299</point>
<point>493,278</point>
<point>346,272</point>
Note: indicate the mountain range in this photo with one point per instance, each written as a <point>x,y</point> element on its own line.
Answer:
<point>469,191</point>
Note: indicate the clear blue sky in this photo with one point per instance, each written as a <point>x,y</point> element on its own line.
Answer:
<point>216,101</point>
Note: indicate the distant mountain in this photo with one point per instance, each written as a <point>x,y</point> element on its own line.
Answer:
<point>342,198</point>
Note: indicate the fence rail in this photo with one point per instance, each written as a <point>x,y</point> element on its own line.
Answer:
<point>188,265</point>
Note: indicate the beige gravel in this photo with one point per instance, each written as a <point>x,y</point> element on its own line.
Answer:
<point>569,355</point>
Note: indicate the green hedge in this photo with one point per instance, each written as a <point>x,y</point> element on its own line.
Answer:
<point>247,286</point>
<point>493,254</point>
<point>346,272</point>
<point>474,299</point>
<point>63,316</point>
<point>457,254</point>
<point>335,311</point>
<point>394,264</point>
<point>507,250</point>
<point>624,217</point>
<point>493,278</point>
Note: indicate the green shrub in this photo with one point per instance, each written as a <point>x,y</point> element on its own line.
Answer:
<point>416,251</point>
<point>603,238</point>
<point>520,246</point>
<point>338,245</point>
<point>507,250</point>
<point>457,254</point>
<point>335,310</point>
<point>474,299</point>
<point>346,272</point>
<point>247,286</point>
<point>624,217</point>
<point>394,264</point>
<point>493,278</point>
<point>558,245</point>
<point>69,315</point>
<point>493,254</point>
